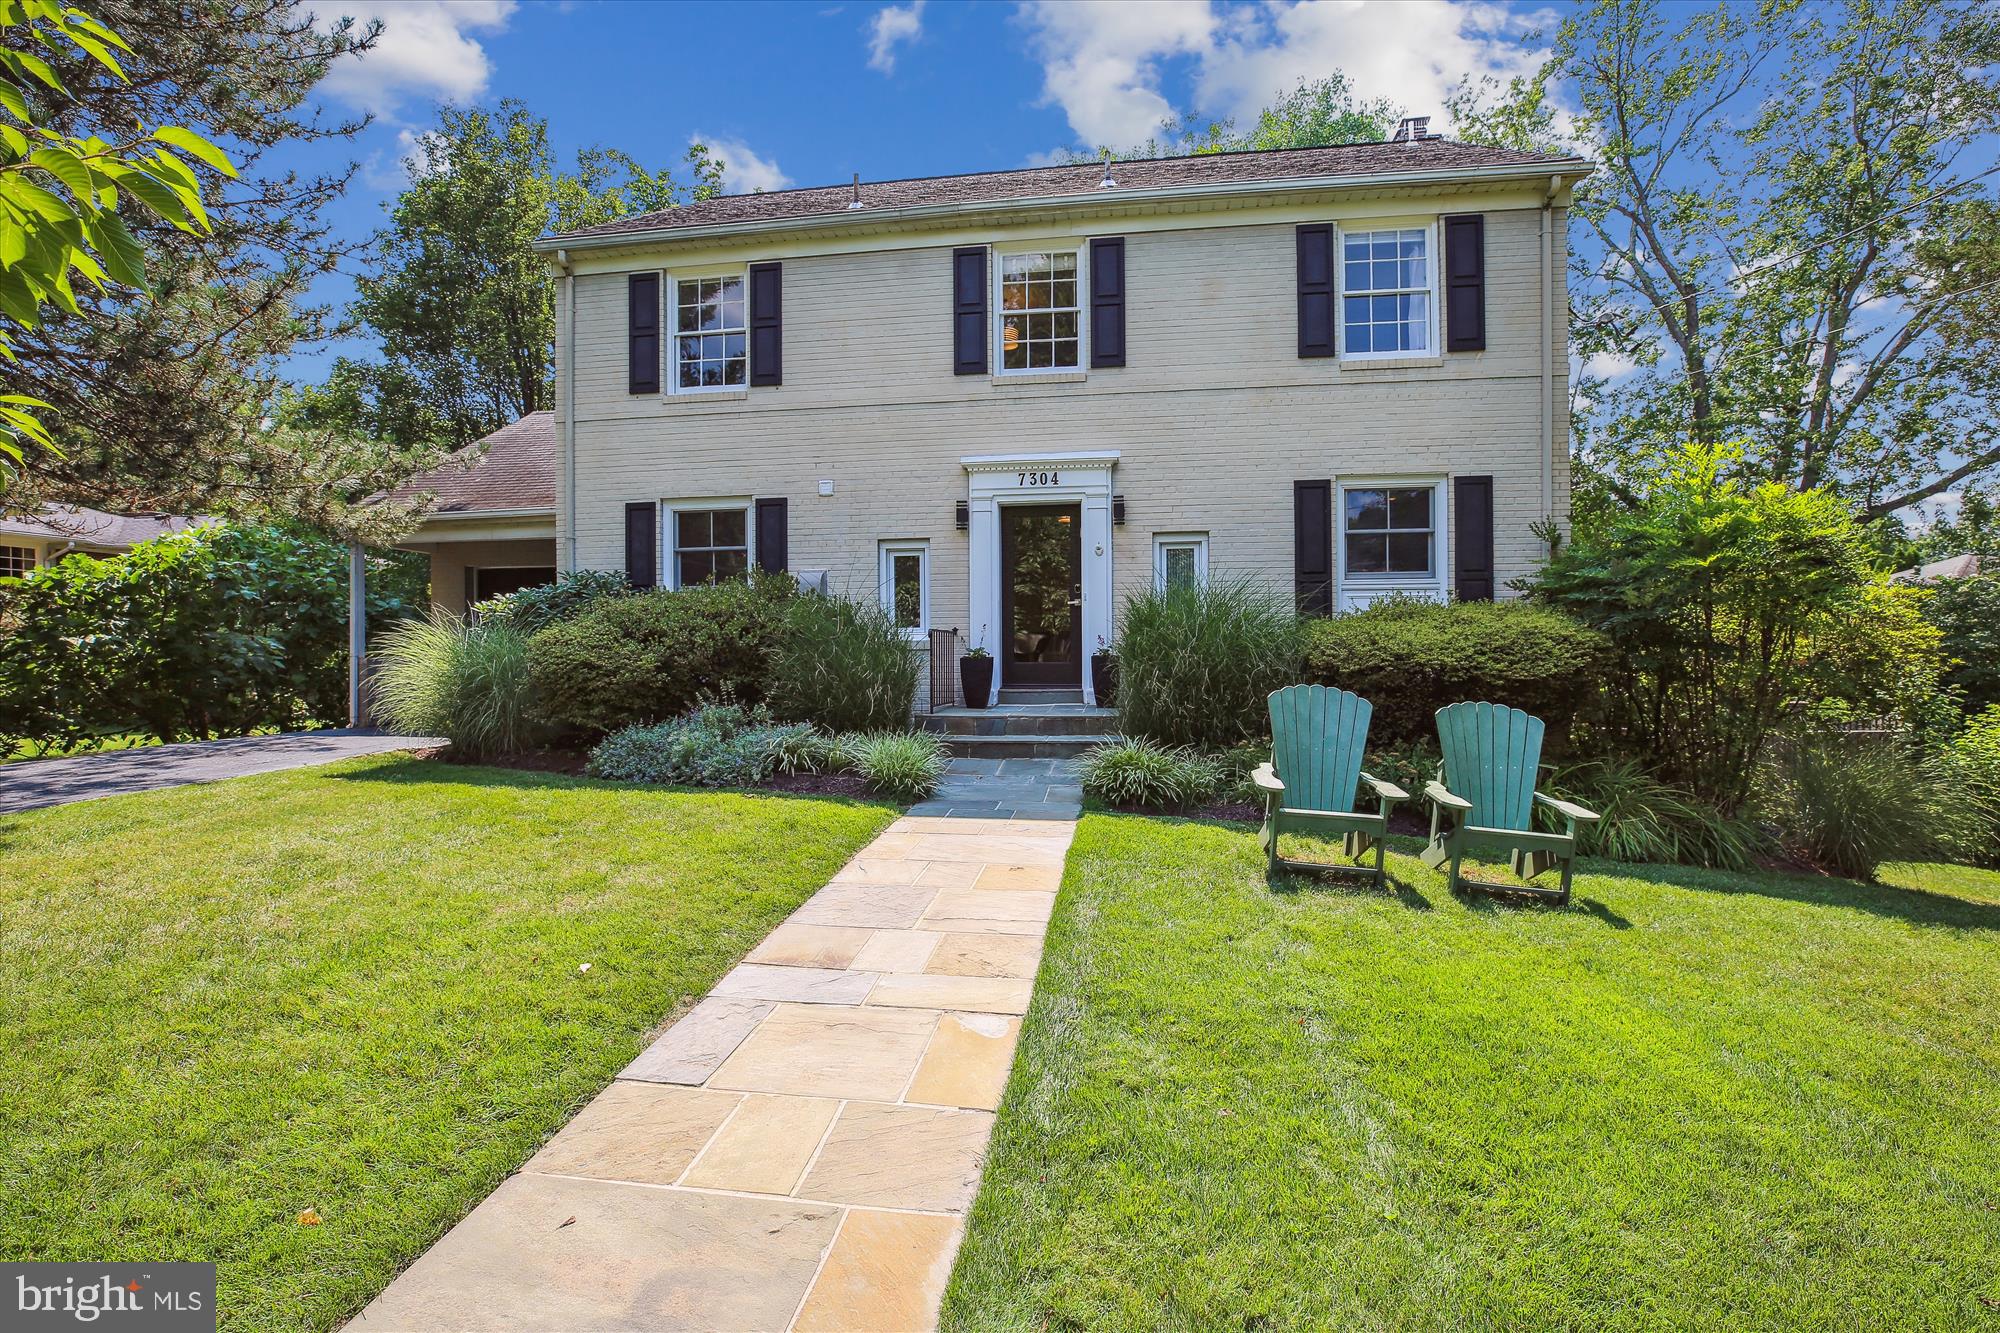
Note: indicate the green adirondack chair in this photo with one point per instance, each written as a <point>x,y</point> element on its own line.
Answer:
<point>1485,796</point>
<point>1317,737</point>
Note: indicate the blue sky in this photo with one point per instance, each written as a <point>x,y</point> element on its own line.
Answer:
<point>808,93</point>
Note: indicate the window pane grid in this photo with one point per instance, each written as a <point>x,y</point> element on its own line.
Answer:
<point>711,333</point>
<point>16,561</point>
<point>1385,290</point>
<point>1388,529</point>
<point>710,545</point>
<point>1039,311</point>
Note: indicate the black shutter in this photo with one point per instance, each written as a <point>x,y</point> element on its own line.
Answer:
<point>1312,546</point>
<point>773,538</point>
<point>1472,541</point>
<point>642,544</point>
<point>968,310</point>
<point>1107,301</point>
<point>642,333</point>
<point>1465,282</point>
<point>1315,241</point>
<point>767,334</point>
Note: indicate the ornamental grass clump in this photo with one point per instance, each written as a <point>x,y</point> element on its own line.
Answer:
<point>1196,662</point>
<point>470,683</point>
<point>1645,818</point>
<point>1847,804</point>
<point>906,765</point>
<point>1136,772</point>
<point>843,665</point>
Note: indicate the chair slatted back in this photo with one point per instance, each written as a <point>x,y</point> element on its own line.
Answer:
<point>1491,756</point>
<point>1317,737</point>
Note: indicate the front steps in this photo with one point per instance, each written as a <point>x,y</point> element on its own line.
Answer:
<point>1012,730</point>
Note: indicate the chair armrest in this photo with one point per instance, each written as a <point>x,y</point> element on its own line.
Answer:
<point>1388,791</point>
<point>1567,809</point>
<point>1438,794</point>
<point>1266,779</point>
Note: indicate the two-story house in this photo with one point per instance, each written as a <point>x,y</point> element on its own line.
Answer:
<point>1000,402</point>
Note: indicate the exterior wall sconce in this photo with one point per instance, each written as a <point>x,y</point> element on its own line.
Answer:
<point>964,515</point>
<point>1118,510</point>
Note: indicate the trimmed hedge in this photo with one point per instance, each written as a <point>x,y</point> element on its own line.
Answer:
<point>634,661</point>
<point>1411,658</point>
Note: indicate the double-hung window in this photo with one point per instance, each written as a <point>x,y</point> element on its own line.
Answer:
<point>1180,560</point>
<point>906,585</point>
<point>1389,530</point>
<point>1388,298</point>
<point>711,334</point>
<point>710,544</point>
<point>1038,321</point>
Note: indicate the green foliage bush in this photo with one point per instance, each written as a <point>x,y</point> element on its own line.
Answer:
<point>1195,663</point>
<point>1847,803</point>
<point>716,745</point>
<point>1409,764</point>
<point>906,765</point>
<point>1138,773</point>
<point>531,610</point>
<point>465,681</point>
<point>635,661</point>
<point>1410,658</point>
<point>844,665</point>
<point>1968,772</point>
<point>1646,819</point>
<point>1967,615</point>
<point>216,631</point>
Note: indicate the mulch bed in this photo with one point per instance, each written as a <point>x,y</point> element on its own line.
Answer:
<point>571,763</point>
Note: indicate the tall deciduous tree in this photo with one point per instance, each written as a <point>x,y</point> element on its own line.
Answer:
<point>463,308</point>
<point>1793,238</point>
<point>1315,113</point>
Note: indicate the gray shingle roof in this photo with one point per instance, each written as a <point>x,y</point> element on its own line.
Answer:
<point>1417,156</point>
<point>513,468</point>
<point>93,527</point>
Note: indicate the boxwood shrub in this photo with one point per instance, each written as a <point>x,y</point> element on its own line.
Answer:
<point>1411,658</point>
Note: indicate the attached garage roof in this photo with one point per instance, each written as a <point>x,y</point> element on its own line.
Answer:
<point>511,470</point>
<point>92,527</point>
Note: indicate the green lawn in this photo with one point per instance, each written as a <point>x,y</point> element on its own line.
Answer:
<point>1694,1100</point>
<point>353,989</point>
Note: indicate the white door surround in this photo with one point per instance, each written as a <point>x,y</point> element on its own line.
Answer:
<point>1080,478</point>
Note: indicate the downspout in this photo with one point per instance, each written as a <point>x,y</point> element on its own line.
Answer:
<point>357,633</point>
<point>1548,350</point>
<point>566,436</point>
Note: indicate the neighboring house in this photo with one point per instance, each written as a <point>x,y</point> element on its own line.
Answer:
<point>1000,402</point>
<point>1954,567</point>
<point>492,525</point>
<point>28,542</point>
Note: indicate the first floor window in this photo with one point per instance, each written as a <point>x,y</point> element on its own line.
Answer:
<point>710,544</point>
<point>1385,283</point>
<point>1389,530</point>
<point>16,561</point>
<point>1180,560</point>
<point>711,334</point>
<point>906,585</point>
<point>1038,311</point>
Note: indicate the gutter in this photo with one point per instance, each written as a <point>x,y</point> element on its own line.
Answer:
<point>562,243</point>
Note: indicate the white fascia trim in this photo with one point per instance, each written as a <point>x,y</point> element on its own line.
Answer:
<point>1573,167</point>
<point>1013,462</point>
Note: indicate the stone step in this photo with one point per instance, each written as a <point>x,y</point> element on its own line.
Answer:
<point>1020,720</point>
<point>1021,747</point>
<point>1039,694</point>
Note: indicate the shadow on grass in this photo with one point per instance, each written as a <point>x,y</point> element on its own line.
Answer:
<point>1332,876</point>
<point>1918,907</point>
<point>425,772</point>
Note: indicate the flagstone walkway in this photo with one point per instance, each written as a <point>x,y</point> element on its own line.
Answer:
<point>799,1150</point>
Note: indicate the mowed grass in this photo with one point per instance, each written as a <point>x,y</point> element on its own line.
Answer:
<point>1693,1100</point>
<point>355,990</point>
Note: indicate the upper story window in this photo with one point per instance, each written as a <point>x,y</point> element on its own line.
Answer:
<point>1386,293</point>
<point>711,334</point>
<point>710,544</point>
<point>1038,319</point>
<point>1389,530</point>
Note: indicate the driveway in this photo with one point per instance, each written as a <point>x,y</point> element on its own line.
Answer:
<point>43,782</point>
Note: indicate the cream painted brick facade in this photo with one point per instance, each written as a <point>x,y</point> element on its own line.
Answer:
<point>1213,417</point>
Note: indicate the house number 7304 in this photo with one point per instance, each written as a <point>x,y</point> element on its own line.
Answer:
<point>1040,479</point>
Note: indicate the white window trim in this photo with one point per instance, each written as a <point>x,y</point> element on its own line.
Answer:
<point>886,581</point>
<point>666,559</point>
<point>1080,246</point>
<point>1436,584</point>
<point>670,320</point>
<point>1163,541</point>
<point>1433,227</point>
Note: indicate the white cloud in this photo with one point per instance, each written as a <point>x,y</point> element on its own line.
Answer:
<point>1607,365</point>
<point>744,171</point>
<point>426,51</point>
<point>890,28</point>
<point>1104,63</point>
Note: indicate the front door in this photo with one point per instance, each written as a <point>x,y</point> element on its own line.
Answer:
<point>1041,595</point>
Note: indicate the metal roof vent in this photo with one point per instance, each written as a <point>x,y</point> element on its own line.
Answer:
<point>856,201</point>
<point>1412,128</point>
<point>1109,182</point>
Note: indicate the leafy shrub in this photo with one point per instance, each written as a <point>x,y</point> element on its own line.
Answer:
<point>844,665</point>
<point>1195,663</point>
<point>531,610</point>
<point>467,682</point>
<point>797,748</point>
<point>219,630</point>
<point>1880,656</point>
<point>1410,658</point>
<point>1969,778</point>
<point>1847,804</point>
<point>1409,764</point>
<point>1137,772</point>
<point>1645,819</point>
<point>634,661</point>
<point>907,765</point>
<point>716,745</point>
<point>1967,614</point>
